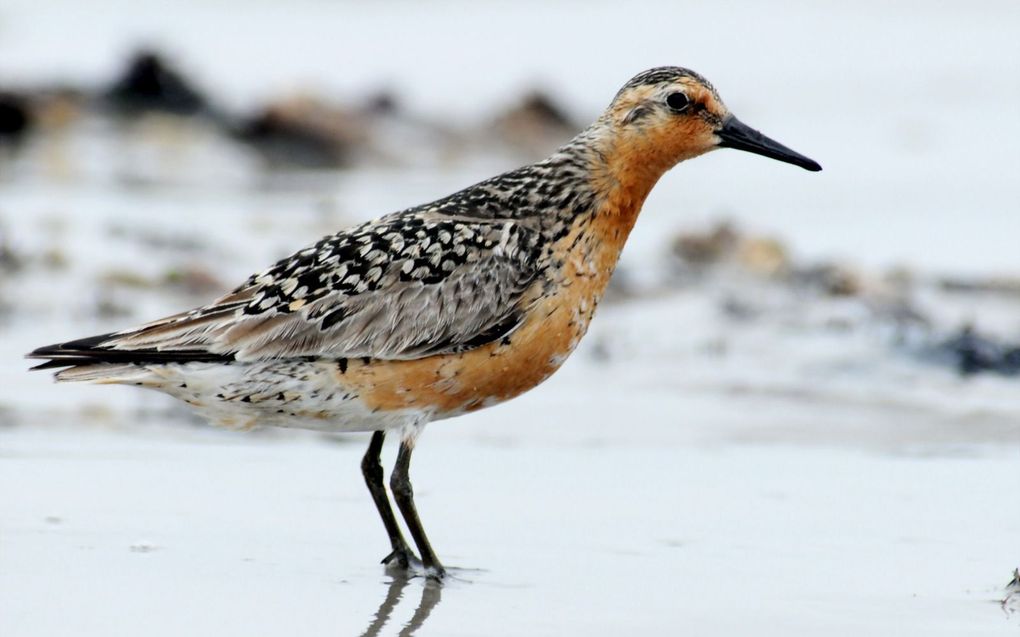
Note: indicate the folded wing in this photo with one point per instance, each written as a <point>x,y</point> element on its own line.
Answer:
<point>402,287</point>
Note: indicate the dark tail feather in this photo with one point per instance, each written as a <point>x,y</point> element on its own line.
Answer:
<point>61,362</point>
<point>90,351</point>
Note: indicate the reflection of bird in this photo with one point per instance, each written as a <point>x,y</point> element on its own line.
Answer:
<point>430,596</point>
<point>434,311</point>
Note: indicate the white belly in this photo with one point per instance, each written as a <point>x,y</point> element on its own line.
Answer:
<point>298,394</point>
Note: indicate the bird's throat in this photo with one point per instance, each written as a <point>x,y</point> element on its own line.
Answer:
<point>621,180</point>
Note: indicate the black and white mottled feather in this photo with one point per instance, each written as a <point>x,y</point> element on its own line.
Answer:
<point>434,279</point>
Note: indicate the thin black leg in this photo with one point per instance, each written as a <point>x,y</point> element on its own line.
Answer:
<point>400,484</point>
<point>373,472</point>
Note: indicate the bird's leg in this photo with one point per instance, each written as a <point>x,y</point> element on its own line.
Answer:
<point>400,484</point>
<point>372,470</point>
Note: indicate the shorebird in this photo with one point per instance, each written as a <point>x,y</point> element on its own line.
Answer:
<point>434,311</point>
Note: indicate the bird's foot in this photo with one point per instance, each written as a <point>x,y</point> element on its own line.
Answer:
<point>435,572</point>
<point>401,558</point>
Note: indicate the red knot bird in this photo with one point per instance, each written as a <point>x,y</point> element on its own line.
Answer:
<point>434,311</point>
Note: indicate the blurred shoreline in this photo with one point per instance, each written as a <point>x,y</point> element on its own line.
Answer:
<point>132,199</point>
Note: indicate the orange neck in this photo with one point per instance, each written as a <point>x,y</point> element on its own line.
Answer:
<point>622,176</point>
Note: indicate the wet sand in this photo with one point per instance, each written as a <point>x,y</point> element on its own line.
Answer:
<point>551,530</point>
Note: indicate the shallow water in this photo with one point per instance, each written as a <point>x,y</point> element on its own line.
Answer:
<point>166,532</point>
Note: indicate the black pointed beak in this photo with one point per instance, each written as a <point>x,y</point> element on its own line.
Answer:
<point>736,134</point>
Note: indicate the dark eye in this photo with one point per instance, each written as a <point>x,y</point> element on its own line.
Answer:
<point>677,101</point>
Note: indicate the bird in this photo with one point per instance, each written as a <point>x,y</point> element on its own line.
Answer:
<point>432,312</point>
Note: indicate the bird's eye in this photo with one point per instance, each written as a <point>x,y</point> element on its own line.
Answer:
<point>677,101</point>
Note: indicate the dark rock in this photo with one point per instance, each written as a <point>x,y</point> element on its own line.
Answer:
<point>304,133</point>
<point>150,84</point>
<point>972,353</point>
<point>540,107</point>
<point>535,126</point>
<point>829,279</point>
<point>382,103</point>
<point>15,118</point>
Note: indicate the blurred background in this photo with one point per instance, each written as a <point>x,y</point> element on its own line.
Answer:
<point>764,321</point>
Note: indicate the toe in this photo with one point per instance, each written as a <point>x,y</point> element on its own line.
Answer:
<point>401,558</point>
<point>435,572</point>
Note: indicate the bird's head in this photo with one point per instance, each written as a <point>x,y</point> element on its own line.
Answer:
<point>668,114</point>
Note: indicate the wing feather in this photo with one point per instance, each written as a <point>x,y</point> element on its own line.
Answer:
<point>403,287</point>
